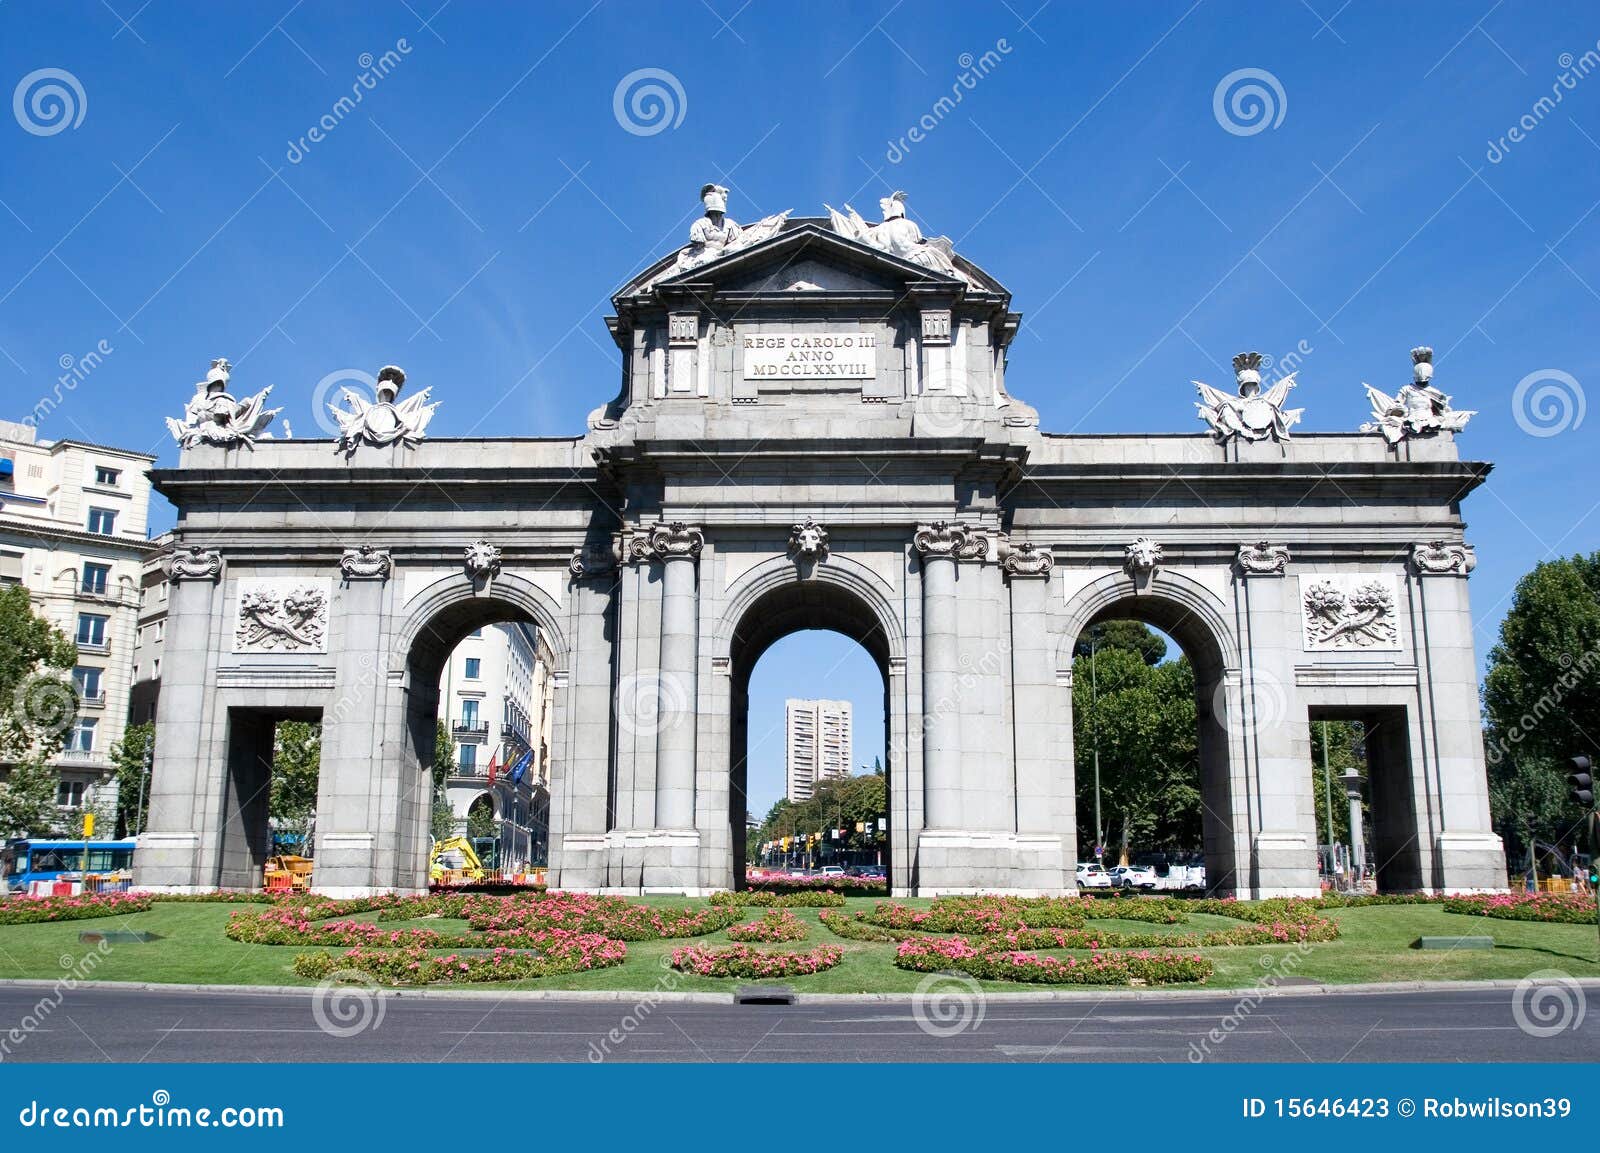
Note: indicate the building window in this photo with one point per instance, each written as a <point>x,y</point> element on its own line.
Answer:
<point>82,739</point>
<point>474,667</point>
<point>10,568</point>
<point>95,577</point>
<point>102,521</point>
<point>88,681</point>
<point>69,794</point>
<point>155,671</point>
<point>468,758</point>
<point>106,477</point>
<point>469,714</point>
<point>91,629</point>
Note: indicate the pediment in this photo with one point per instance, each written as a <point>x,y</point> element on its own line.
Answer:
<point>806,259</point>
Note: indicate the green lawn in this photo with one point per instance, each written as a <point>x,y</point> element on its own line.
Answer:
<point>1373,947</point>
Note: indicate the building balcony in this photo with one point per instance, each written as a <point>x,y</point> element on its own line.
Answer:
<point>100,648</point>
<point>98,701</point>
<point>78,757</point>
<point>473,734</point>
<point>469,772</point>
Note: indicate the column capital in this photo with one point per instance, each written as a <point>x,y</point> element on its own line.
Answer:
<point>1443,558</point>
<point>194,562</point>
<point>668,541</point>
<point>1027,561</point>
<point>366,563</point>
<point>1263,559</point>
<point>952,539</point>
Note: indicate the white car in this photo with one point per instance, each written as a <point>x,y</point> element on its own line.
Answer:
<point>831,871</point>
<point>1135,877</point>
<point>1092,876</point>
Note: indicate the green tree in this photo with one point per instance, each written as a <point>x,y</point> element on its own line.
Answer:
<point>28,801</point>
<point>36,660</point>
<point>128,755</point>
<point>1541,699</point>
<point>1344,739</point>
<point>1141,717</point>
<point>444,756</point>
<point>1134,636</point>
<point>296,760</point>
<point>480,820</point>
<point>443,823</point>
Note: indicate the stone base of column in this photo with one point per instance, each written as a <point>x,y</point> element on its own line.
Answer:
<point>1283,864</point>
<point>956,861</point>
<point>168,863</point>
<point>1470,863</point>
<point>634,862</point>
<point>348,866</point>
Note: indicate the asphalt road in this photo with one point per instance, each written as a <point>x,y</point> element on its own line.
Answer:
<point>132,1025</point>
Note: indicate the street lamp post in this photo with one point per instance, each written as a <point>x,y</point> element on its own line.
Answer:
<point>1351,780</point>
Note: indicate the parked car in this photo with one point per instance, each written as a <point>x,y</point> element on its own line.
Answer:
<point>1136,877</point>
<point>831,871</point>
<point>1092,876</point>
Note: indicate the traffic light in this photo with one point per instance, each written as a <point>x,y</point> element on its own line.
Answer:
<point>1580,782</point>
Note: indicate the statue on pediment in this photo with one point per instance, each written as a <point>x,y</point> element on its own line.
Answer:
<point>1418,409</point>
<point>898,235</point>
<point>1254,414</point>
<point>214,416</point>
<point>717,234</point>
<point>385,421</point>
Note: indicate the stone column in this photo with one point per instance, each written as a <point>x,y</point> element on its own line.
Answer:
<point>677,546</point>
<point>364,840</point>
<point>1467,853</point>
<point>1027,568</point>
<point>939,545</point>
<point>187,776</point>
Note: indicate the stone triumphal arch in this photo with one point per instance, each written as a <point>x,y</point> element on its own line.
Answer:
<point>813,431</point>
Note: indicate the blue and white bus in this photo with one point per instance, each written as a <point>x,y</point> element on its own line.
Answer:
<point>23,861</point>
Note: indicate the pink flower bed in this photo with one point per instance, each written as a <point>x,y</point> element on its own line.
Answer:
<point>743,961</point>
<point>30,910</point>
<point>774,926</point>
<point>932,955</point>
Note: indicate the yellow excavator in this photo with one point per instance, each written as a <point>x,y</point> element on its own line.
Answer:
<point>454,861</point>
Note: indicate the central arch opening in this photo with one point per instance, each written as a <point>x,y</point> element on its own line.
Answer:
<point>821,643</point>
<point>1151,746</point>
<point>478,715</point>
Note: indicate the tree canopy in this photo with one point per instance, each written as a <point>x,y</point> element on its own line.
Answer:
<point>36,661</point>
<point>1541,699</point>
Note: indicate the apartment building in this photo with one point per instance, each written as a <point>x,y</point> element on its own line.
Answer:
<point>819,744</point>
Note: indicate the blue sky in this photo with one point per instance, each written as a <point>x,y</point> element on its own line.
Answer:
<point>469,219</point>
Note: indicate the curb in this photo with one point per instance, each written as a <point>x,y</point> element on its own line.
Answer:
<point>603,996</point>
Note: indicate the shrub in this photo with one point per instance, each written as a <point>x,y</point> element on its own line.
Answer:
<point>807,900</point>
<point>1277,920</point>
<point>860,886</point>
<point>1156,968</point>
<point>583,912</point>
<point>30,910</point>
<point>560,952</point>
<point>743,961</point>
<point>774,926</point>
<point>1553,908</point>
